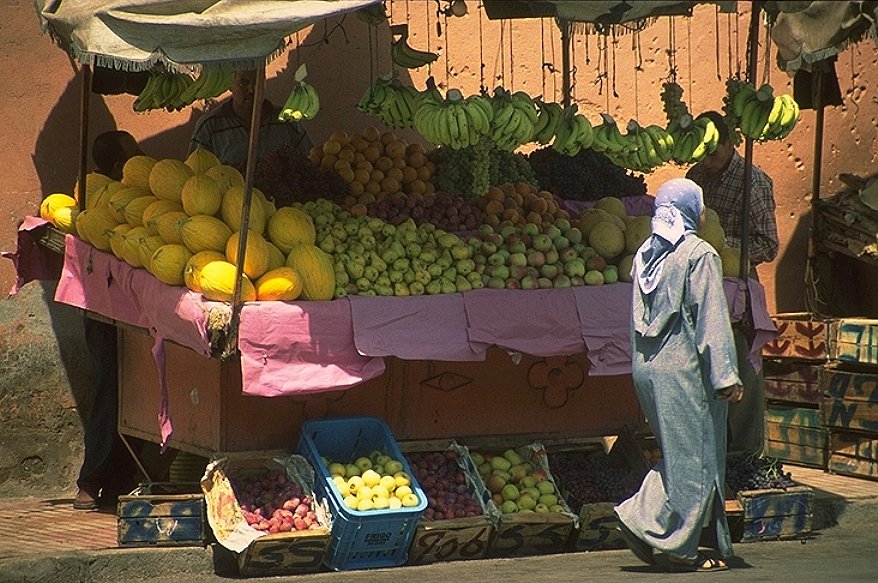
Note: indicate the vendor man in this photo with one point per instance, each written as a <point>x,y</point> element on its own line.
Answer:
<point>721,177</point>
<point>225,130</point>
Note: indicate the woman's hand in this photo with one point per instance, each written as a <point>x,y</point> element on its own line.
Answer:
<point>732,394</point>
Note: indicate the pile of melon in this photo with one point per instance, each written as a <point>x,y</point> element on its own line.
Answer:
<point>182,221</point>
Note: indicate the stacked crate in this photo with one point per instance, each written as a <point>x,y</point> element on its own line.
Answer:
<point>850,398</point>
<point>794,428</point>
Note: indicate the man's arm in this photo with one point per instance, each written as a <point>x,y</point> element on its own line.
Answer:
<point>763,242</point>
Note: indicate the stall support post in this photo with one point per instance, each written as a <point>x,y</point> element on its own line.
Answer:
<point>84,104</point>
<point>252,149</point>
<point>752,64</point>
<point>565,27</point>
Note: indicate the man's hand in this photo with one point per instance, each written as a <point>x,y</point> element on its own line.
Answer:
<point>732,394</point>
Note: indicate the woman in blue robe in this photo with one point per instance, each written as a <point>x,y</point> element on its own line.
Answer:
<point>685,372</point>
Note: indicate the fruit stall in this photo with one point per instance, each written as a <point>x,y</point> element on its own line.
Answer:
<point>457,310</point>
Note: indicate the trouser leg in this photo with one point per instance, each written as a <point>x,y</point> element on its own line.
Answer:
<point>746,421</point>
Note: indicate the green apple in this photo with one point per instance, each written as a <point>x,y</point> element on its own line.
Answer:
<point>528,482</point>
<point>557,508</point>
<point>392,466</point>
<point>508,507</point>
<point>517,472</point>
<point>526,502</point>
<point>351,470</point>
<point>498,462</point>
<point>549,500</point>
<point>510,492</point>
<point>478,458</point>
<point>363,463</point>
<point>531,492</point>
<point>545,487</point>
<point>541,508</point>
<point>336,469</point>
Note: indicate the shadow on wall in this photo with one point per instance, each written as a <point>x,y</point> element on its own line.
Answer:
<point>790,275</point>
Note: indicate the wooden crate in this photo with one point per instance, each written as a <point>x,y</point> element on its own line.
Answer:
<point>854,454</point>
<point>850,399</point>
<point>161,514</point>
<point>777,513</point>
<point>796,435</point>
<point>799,336</point>
<point>855,341</point>
<point>791,381</point>
<point>284,553</point>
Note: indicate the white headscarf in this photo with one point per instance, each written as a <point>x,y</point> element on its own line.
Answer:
<point>678,207</point>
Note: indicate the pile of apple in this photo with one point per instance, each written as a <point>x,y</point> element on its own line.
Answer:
<point>373,482</point>
<point>589,477</point>
<point>270,502</point>
<point>445,484</point>
<point>516,485</point>
<point>450,212</point>
<point>519,204</point>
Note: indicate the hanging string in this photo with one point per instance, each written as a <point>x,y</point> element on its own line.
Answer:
<point>689,61</point>
<point>606,75</point>
<point>298,56</point>
<point>429,65</point>
<point>447,64</point>
<point>729,40</point>
<point>716,38</point>
<point>766,69</point>
<point>553,70</point>
<point>738,45</point>
<point>543,56</point>
<point>511,60</point>
<point>615,43</point>
<point>481,54</point>
<point>502,54</point>
<point>672,51</point>
<point>572,64</point>
<point>637,68</point>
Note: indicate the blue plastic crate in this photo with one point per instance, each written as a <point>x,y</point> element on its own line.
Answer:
<point>360,540</point>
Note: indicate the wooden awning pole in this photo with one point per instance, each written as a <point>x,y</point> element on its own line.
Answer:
<point>752,64</point>
<point>84,104</point>
<point>565,62</point>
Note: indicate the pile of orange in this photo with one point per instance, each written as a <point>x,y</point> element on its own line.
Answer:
<point>518,204</point>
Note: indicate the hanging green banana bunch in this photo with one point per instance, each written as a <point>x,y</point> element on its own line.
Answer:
<point>303,101</point>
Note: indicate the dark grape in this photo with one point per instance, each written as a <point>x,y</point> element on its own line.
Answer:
<point>587,477</point>
<point>469,172</point>
<point>287,176</point>
<point>755,473</point>
<point>587,176</point>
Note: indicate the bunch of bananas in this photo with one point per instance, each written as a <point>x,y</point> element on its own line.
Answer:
<point>373,15</point>
<point>653,147</point>
<point>672,101</point>
<point>574,132</point>
<point>609,140</point>
<point>733,86</point>
<point>302,103</point>
<point>693,139</point>
<point>454,121</point>
<point>173,91</point>
<point>391,101</point>
<point>762,115</point>
<point>548,121</point>
<point>406,56</point>
<point>514,120</point>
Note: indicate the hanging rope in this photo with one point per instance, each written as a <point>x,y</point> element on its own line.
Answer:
<point>766,68</point>
<point>511,60</point>
<point>606,74</point>
<point>716,44</point>
<point>553,70</point>
<point>481,54</point>
<point>429,48</point>
<point>729,41</point>
<point>447,64</point>
<point>689,61</point>
<point>672,51</point>
<point>502,53</point>
<point>543,56</point>
<point>738,46</point>
<point>572,64</point>
<point>637,68</point>
<point>615,44</point>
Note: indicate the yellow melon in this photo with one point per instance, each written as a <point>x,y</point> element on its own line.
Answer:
<point>136,171</point>
<point>226,176</point>
<point>155,210</point>
<point>607,239</point>
<point>120,199</point>
<point>203,232</point>
<point>94,181</point>
<point>130,247</point>
<point>290,226</point>
<point>192,271</point>
<point>591,217</point>
<point>283,284</point>
<point>65,218</point>
<point>117,239</point>
<point>276,257</point>
<point>713,233</point>
<point>612,205</point>
<point>201,195</point>
<point>217,281</point>
<point>167,177</point>
<point>148,246</point>
<point>731,261</point>
<point>168,226</point>
<point>201,159</point>
<point>53,202</point>
<point>134,209</point>
<point>639,228</point>
<point>232,210</point>
<point>316,270</point>
<point>256,253</point>
<point>168,262</point>
<point>101,197</point>
<point>95,225</point>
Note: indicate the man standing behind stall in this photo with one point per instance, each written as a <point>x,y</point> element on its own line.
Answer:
<point>225,130</point>
<point>721,177</point>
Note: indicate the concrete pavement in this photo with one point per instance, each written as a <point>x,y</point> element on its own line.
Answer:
<point>46,541</point>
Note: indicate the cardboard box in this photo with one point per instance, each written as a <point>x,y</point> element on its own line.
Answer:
<point>258,553</point>
<point>853,454</point>
<point>791,381</point>
<point>850,399</point>
<point>532,533</point>
<point>796,435</point>
<point>162,514</point>
<point>453,539</point>
<point>855,341</point>
<point>777,513</point>
<point>799,336</point>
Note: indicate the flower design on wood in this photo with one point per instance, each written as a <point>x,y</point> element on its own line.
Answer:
<point>556,376</point>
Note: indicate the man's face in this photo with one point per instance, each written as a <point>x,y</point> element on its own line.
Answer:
<point>242,92</point>
<point>716,162</point>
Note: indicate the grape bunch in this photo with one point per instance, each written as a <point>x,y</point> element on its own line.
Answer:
<point>589,477</point>
<point>589,175</point>
<point>287,176</point>
<point>469,172</point>
<point>445,211</point>
<point>672,102</point>
<point>755,473</point>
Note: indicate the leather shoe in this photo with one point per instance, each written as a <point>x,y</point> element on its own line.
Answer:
<point>86,499</point>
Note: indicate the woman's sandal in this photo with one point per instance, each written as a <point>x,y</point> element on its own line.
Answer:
<point>637,545</point>
<point>701,564</point>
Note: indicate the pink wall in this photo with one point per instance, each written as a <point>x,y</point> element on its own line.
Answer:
<point>39,113</point>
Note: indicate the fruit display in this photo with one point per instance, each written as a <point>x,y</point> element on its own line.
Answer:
<point>755,473</point>
<point>573,132</point>
<point>403,54</point>
<point>448,490</point>
<point>272,503</point>
<point>456,121</point>
<point>374,165</point>
<point>760,114</point>
<point>693,139</point>
<point>448,212</point>
<point>174,90</point>
<point>586,477</point>
<point>373,257</point>
<point>60,209</point>
<point>287,176</point>
<point>302,102</point>
<point>516,484</point>
<point>589,175</point>
<point>390,100</point>
<point>470,171</point>
<point>373,482</point>
<point>514,119</point>
<point>672,102</point>
<point>519,204</point>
